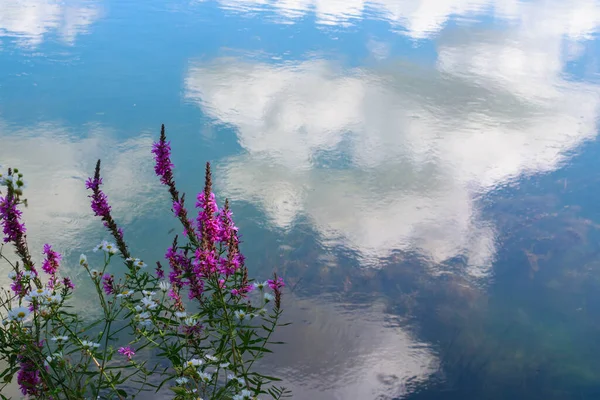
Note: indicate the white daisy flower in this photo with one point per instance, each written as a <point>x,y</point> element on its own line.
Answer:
<point>244,395</point>
<point>83,259</point>
<point>110,248</point>
<point>27,274</point>
<point>210,357</point>
<point>180,314</point>
<point>148,293</point>
<point>18,314</point>
<point>262,312</point>
<point>190,321</point>
<point>146,323</point>
<point>140,264</point>
<point>149,303</point>
<point>269,297</point>
<point>89,344</point>
<point>12,275</point>
<point>240,314</point>
<point>224,365</point>
<point>59,339</point>
<point>95,273</point>
<point>194,362</point>
<point>37,293</point>
<point>138,308</point>
<point>205,377</point>
<point>260,285</point>
<point>164,286</point>
<point>144,315</point>
<point>55,299</point>
<point>182,380</point>
<point>125,293</point>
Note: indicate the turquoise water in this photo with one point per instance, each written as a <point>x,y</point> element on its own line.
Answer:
<point>422,173</point>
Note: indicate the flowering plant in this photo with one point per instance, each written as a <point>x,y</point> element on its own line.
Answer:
<point>197,328</point>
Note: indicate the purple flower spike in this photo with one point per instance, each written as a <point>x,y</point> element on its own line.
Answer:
<point>162,157</point>
<point>102,209</point>
<point>276,284</point>
<point>99,204</point>
<point>10,215</point>
<point>68,283</point>
<point>52,260</point>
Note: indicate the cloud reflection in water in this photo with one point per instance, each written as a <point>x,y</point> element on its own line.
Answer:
<point>419,145</point>
<point>56,161</point>
<point>30,20</point>
<point>422,18</point>
<point>347,353</point>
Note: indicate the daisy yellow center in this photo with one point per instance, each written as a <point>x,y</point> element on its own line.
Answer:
<point>40,291</point>
<point>21,314</point>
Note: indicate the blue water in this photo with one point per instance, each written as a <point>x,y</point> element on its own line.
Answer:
<point>422,173</point>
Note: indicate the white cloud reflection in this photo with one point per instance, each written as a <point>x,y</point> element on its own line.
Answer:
<point>419,145</point>
<point>421,18</point>
<point>56,162</point>
<point>30,20</point>
<point>348,353</point>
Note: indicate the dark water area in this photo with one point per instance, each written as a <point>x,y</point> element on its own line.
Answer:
<point>424,174</point>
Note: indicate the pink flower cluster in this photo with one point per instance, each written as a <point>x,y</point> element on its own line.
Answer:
<point>52,260</point>
<point>127,352</point>
<point>213,231</point>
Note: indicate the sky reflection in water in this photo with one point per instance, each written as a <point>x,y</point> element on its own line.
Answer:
<point>358,140</point>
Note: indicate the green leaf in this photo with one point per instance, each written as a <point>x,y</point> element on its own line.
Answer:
<point>178,390</point>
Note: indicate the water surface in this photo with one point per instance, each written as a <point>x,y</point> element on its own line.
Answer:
<point>422,173</point>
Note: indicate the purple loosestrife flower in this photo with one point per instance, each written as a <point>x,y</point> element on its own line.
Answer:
<point>208,221</point>
<point>10,215</point>
<point>52,260</point>
<point>52,282</point>
<point>234,261</point>
<point>160,272</point>
<point>164,170</point>
<point>162,157</point>
<point>178,263</point>
<point>29,377</point>
<point>177,208</point>
<point>17,285</point>
<point>12,227</point>
<point>228,228</point>
<point>173,294</point>
<point>68,283</point>
<point>192,331</point>
<point>108,282</point>
<point>127,352</point>
<point>101,208</point>
<point>276,283</point>
<point>99,202</point>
